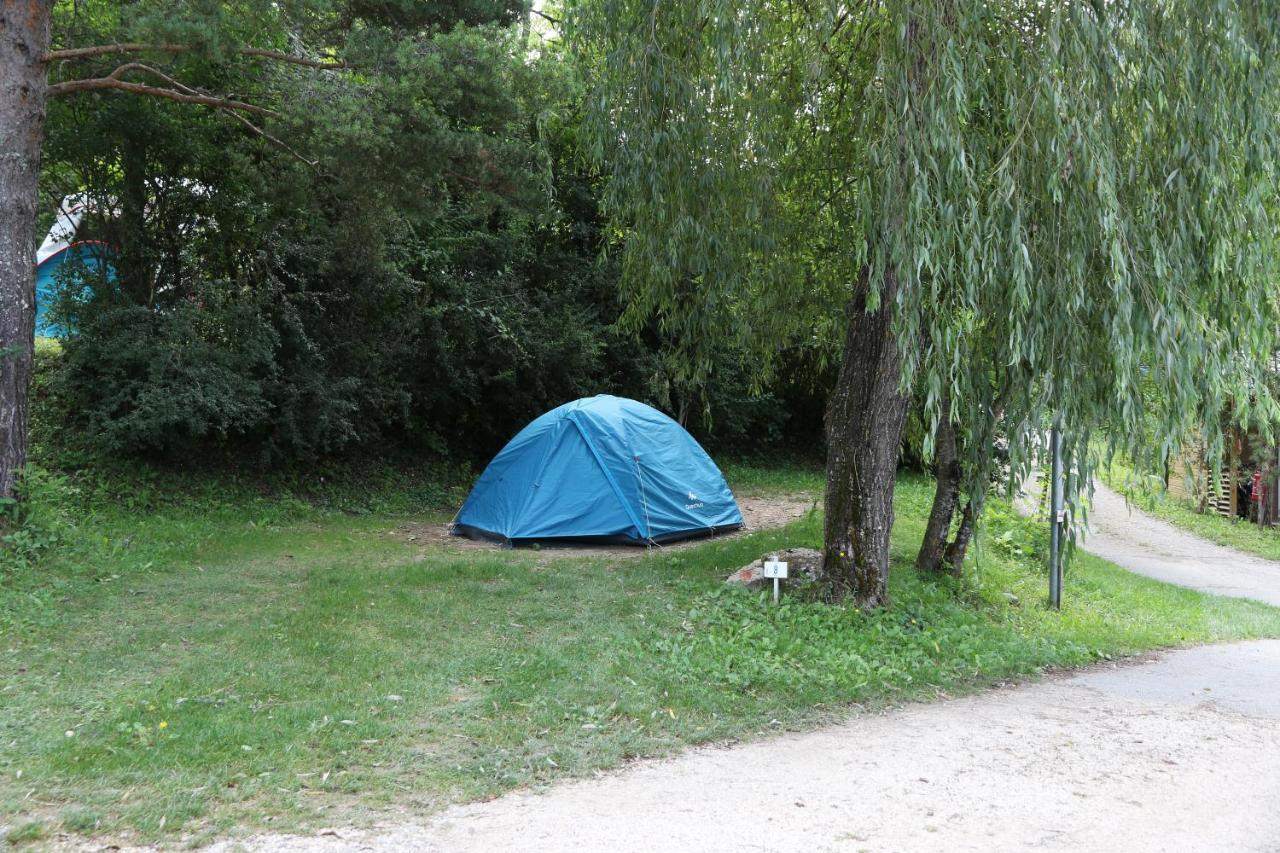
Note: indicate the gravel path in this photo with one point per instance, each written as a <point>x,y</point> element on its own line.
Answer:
<point>1180,752</point>
<point>1156,548</point>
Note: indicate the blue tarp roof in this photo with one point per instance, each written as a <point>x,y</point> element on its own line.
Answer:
<point>600,468</point>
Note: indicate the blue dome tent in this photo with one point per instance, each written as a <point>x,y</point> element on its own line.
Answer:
<point>601,468</point>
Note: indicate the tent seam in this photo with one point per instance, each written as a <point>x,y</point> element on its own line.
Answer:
<point>644,500</point>
<point>617,493</point>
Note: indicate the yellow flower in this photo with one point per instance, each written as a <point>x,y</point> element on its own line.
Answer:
<point>164,724</point>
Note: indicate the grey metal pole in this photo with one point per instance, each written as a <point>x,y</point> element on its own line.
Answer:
<point>1056,518</point>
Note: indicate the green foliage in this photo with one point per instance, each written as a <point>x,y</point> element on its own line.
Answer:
<point>142,380</point>
<point>414,15</point>
<point>1076,198</point>
<point>431,281</point>
<point>37,519</point>
<point>1018,538</point>
<point>295,312</point>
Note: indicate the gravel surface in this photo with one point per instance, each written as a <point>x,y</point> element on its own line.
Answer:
<point>1173,753</point>
<point>1156,548</point>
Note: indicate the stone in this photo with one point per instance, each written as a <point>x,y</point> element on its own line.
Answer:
<point>803,565</point>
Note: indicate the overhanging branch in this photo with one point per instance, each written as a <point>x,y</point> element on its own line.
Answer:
<point>183,93</point>
<point>112,81</point>
<point>142,47</point>
<point>187,90</point>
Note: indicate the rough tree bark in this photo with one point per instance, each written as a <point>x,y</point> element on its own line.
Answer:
<point>24,38</point>
<point>946,496</point>
<point>864,422</point>
<point>954,556</point>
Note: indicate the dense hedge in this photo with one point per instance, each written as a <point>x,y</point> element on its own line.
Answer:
<point>432,279</point>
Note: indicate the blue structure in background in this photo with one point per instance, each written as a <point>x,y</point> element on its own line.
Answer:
<point>600,468</point>
<point>62,261</point>
<point>88,259</point>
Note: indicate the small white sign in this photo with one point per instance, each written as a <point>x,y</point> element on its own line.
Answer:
<point>773,568</point>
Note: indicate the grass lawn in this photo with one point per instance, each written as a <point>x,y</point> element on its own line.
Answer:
<point>177,671</point>
<point>1149,495</point>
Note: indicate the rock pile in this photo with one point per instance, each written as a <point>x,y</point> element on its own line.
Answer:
<point>803,565</point>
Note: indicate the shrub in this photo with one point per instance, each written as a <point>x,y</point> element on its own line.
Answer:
<point>38,518</point>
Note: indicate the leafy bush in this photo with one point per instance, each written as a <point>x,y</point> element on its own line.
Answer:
<point>143,380</point>
<point>37,519</point>
<point>433,283</point>
<point>1015,536</point>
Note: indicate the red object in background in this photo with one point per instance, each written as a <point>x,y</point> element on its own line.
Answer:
<point>1255,494</point>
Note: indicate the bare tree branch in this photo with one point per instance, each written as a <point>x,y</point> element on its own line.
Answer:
<point>279,143</point>
<point>141,47</point>
<point>112,81</point>
<point>544,16</point>
<point>250,126</point>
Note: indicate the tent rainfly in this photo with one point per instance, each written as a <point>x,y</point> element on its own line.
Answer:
<point>599,469</point>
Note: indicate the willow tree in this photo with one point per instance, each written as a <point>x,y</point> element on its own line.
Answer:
<point>1018,206</point>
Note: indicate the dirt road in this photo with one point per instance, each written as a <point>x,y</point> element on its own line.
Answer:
<point>1155,548</point>
<point>1180,754</point>
<point>1177,753</point>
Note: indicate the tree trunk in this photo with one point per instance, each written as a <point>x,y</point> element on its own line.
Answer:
<point>945,496</point>
<point>960,545</point>
<point>134,263</point>
<point>24,37</point>
<point>865,417</point>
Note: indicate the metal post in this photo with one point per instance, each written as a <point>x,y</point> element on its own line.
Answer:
<point>1056,518</point>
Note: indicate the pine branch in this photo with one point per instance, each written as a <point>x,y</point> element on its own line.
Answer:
<point>141,47</point>
<point>185,89</point>
<point>112,81</point>
<point>279,143</point>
